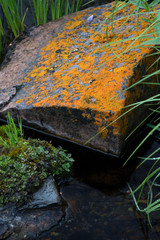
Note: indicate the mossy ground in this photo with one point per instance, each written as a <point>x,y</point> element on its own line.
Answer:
<point>24,167</point>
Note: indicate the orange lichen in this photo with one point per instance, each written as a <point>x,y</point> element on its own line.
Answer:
<point>75,24</point>
<point>78,72</point>
<point>103,131</point>
<point>19,101</point>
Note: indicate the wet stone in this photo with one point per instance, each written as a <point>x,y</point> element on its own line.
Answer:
<point>28,224</point>
<point>45,196</point>
<point>39,215</point>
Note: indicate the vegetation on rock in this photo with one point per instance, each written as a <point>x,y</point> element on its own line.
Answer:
<point>24,164</point>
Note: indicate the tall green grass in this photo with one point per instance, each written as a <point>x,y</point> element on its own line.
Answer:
<point>151,40</point>
<point>57,8</point>
<point>41,11</point>
<point>1,36</point>
<point>14,15</point>
<point>64,7</point>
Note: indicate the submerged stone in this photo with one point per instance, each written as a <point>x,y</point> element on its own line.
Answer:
<point>65,79</point>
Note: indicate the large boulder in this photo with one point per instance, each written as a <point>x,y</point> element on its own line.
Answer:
<point>62,79</point>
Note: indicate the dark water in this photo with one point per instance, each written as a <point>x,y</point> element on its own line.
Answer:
<point>99,206</point>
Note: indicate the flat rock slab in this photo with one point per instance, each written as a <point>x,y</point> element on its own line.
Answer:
<point>65,79</point>
<point>28,224</point>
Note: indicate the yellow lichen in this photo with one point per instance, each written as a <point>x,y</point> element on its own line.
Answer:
<point>81,79</point>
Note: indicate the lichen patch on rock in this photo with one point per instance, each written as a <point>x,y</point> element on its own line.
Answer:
<point>76,78</point>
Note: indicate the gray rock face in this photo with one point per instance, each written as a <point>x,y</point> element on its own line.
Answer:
<point>59,80</point>
<point>45,196</point>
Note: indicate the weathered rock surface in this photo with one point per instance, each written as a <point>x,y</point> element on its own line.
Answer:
<point>45,196</point>
<point>29,221</point>
<point>59,79</point>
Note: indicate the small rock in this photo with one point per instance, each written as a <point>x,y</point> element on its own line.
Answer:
<point>45,196</point>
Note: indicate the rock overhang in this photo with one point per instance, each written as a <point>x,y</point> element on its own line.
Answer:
<point>74,85</point>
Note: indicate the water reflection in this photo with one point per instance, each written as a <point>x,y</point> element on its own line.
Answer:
<point>94,215</point>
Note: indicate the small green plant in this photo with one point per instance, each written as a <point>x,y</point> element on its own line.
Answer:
<point>24,164</point>
<point>13,133</point>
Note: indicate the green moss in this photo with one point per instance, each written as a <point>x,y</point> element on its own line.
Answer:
<point>24,167</point>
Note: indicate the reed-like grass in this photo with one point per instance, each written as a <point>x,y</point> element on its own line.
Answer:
<point>41,11</point>
<point>151,40</point>
<point>57,8</point>
<point>14,15</point>
<point>60,8</point>
<point>1,36</point>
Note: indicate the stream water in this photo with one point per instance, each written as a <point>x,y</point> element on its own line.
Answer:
<point>99,206</point>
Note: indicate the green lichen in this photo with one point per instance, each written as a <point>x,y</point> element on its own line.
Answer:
<point>24,167</point>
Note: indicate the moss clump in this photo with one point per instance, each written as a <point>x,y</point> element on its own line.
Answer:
<point>24,167</point>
